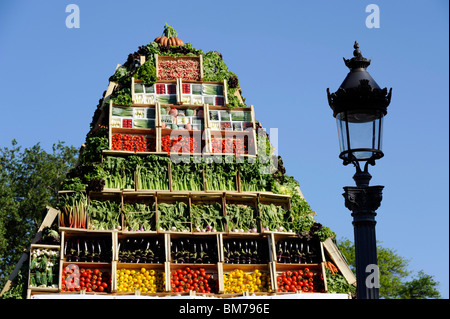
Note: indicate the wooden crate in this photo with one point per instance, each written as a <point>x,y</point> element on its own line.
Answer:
<point>105,268</point>
<point>192,142</point>
<point>315,246</point>
<point>68,237</point>
<point>142,238</point>
<point>197,120</point>
<point>173,198</point>
<point>161,59</point>
<point>283,201</point>
<point>198,98</point>
<point>213,240</point>
<point>159,270</point>
<point>211,269</point>
<point>146,198</point>
<point>259,243</point>
<point>112,196</point>
<point>245,138</point>
<point>226,269</point>
<point>209,178</point>
<point>319,278</point>
<point>31,273</point>
<point>208,199</point>
<point>244,199</point>
<point>225,114</point>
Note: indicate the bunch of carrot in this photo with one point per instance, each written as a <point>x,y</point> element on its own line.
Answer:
<point>331,267</point>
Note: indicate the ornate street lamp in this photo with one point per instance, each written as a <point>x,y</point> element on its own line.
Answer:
<point>359,106</point>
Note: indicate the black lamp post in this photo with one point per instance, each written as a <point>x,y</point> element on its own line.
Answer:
<point>359,106</point>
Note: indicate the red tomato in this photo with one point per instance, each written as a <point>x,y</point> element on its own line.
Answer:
<point>101,288</point>
<point>105,285</point>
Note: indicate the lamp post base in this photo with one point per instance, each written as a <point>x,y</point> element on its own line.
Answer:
<point>363,202</point>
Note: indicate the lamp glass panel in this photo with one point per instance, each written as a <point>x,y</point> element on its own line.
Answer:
<point>360,133</point>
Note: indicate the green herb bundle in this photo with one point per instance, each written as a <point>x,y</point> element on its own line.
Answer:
<point>274,217</point>
<point>187,176</point>
<point>104,215</point>
<point>173,216</point>
<point>252,176</point>
<point>140,217</point>
<point>208,217</point>
<point>153,173</point>
<point>241,217</point>
<point>117,172</point>
<point>220,174</point>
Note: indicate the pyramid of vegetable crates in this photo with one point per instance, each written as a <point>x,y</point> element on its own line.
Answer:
<point>177,190</point>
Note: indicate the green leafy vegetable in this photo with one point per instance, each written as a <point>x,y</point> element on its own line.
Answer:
<point>122,97</point>
<point>173,216</point>
<point>104,215</point>
<point>147,72</point>
<point>153,172</point>
<point>220,173</point>
<point>241,216</point>
<point>187,176</point>
<point>140,217</point>
<point>208,217</point>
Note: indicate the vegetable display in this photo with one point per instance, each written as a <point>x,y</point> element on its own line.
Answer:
<point>75,278</point>
<point>173,216</point>
<point>152,173</point>
<point>145,280</point>
<point>133,143</point>
<point>104,215</point>
<point>298,251</point>
<point>221,174</point>
<point>79,249</point>
<point>193,251</point>
<point>44,268</point>
<point>73,210</point>
<point>139,217</point>
<point>169,37</point>
<point>208,217</point>
<point>193,279</point>
<point>141,250</point>
<point>187,119</point>
<point>245,251</point>
<point>237,281</point>
<point>174,191</point>
<point>117,172</point>
<point>241,218</point>
<point>304,280</point>
<point>187,176</point>
<point>274,217</point>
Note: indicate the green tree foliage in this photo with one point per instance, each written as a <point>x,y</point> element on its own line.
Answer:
<point>29,181</point>
<point>394,274</point>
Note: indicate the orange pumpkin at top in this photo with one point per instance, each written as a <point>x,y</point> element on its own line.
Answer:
<point>172,41</point>
<point>169,37</point>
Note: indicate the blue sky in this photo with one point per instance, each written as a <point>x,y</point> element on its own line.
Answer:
<point>286,54</point>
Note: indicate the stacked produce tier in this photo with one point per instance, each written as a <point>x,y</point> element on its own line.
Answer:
<point>178,191</point>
